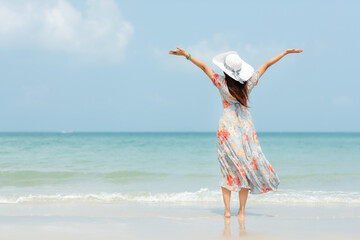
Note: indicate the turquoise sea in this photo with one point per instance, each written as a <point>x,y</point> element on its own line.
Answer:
<point>179,168</point>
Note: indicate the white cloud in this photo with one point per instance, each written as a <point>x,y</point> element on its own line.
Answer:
<point>205,50</point>
<point>98,33</point>
<point>343,102</point>
<point>208,49</point>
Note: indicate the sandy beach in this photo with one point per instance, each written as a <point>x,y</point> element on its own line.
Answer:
<point>168,221</point>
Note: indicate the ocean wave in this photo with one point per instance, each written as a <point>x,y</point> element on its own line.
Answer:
<point>204,195</point>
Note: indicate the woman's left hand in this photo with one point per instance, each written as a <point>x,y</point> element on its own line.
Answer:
<point>293,50</point>
<point>179,52</point>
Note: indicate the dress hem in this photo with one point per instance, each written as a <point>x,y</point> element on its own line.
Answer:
<point>238,188</point>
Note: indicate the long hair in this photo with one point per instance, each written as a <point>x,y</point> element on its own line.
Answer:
<point>238,90</point>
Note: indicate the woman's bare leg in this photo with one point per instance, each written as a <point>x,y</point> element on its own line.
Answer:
<point>243,194</point>
<point>226,196</point>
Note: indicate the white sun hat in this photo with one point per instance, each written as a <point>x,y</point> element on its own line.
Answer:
<point>231,63</point>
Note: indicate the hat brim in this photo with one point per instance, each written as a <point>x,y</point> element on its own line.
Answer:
<point>246,70</point>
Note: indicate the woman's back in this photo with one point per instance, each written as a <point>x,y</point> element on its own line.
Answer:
<point>228,99</point>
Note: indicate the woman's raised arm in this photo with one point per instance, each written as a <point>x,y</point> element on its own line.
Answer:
<point>181,52</point>
<point>273,60</point>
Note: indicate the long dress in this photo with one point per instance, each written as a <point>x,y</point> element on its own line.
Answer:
<point>242,162</point>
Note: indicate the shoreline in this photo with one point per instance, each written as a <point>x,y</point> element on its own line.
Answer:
<point>170,221</point>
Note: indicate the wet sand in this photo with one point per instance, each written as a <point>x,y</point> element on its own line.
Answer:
<point>167,221</point>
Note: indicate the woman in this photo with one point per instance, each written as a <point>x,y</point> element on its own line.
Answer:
<point>243,164</point>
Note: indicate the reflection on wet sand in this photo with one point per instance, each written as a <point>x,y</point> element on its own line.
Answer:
<point>227,232</point>
<point>242,230</point>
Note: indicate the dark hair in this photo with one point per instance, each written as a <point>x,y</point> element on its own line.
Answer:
<point>237,90</point>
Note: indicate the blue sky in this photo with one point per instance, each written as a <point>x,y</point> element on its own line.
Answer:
<point>103,65</point>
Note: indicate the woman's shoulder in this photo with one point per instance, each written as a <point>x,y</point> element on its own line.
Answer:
<point>253,81</point>
<point>217,75</point>
<point>218,79</point>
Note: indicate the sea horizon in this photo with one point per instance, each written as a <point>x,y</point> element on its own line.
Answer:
<point>75,131</point>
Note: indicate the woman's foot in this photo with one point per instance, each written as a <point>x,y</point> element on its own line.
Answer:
<point>227,213</point>
<point>241,213</point>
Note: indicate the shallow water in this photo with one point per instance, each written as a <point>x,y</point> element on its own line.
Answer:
<point>171,167</point>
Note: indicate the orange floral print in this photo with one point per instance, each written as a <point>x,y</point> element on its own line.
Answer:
<point>237,180</point>
<point>254,164</point>
<point>254,134</point>
<point>229,180</point>
<point>270,167</point>
<point>242,173</point>
<point>215,80</point>
<point>225,103</point>
<point>246,137</point>
<point>222,133</point>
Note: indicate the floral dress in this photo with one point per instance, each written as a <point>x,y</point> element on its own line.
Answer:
<point>242,162</point>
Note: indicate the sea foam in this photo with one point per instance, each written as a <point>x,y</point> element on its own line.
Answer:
<point>204,195</point>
